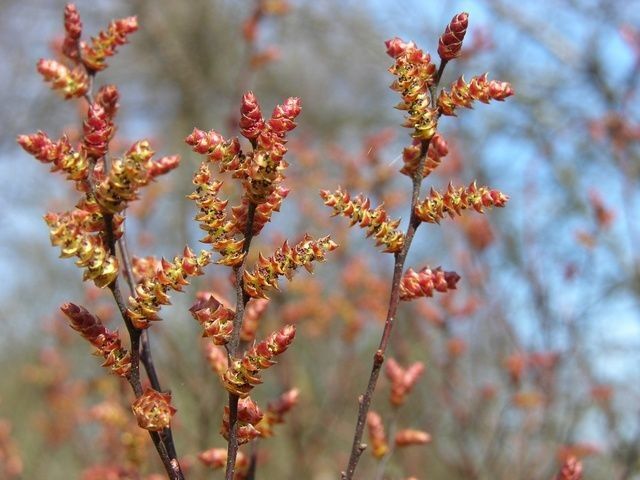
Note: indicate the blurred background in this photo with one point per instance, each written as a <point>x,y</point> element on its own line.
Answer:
<point>532,359</point>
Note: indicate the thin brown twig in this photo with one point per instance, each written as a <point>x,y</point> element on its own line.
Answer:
<point>364,400</point>
<point>241,301</point>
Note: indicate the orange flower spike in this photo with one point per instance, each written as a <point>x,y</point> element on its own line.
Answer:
<point>450,43</point>
<point>107,343</point>
<point>216,458</point>
<point>263,212</point>
<point>71,83</point>
<point>126,176</point>
<point>408,437</point>
<point>276,412</point>
<point>463,94</point>
<point>402,381</point>
<point>251,121</point>
<point>283,116</point>
<point>456,199</point>
<point>106,43</point>
<point>284,262</point>
<point>423,283</point>
<point>243,374</point>
<point>376,222</point>
<point>215,318</point>
<point>249,415</point>
<point>59,154</point>
<point>226,153</point>
<point>153,410</point>
<point>97,132</point>
<point>377,435</point>
<point>217,358</point>
<point>213,218</point>
<point>71,232</point>
<point>152,293</point>
<point>107,97</point>
<point>438,149</point>
<point>414,74</point>
<point>73,32</point>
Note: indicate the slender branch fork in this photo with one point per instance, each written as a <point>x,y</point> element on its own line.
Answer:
<point>364,401</point>
<point>162,441</point>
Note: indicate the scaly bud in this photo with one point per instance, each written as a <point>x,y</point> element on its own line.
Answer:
<point>72,83</point>
<point>153,410</point>
<point>243,374</point>
<point>376,222</point>
<point>463,94</point>
<point>106,43</point>
<point>402,380</point>
<point>284,262</point>
<point>152,292</point>
<point>107,343</point>
<point>377,435</point>
<point>456,199</point>
<point>425,282</point>
<point>450,43</point>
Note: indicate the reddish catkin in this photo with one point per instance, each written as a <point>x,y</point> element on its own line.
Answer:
<point>243,374</point>
<point>71,83</point>
<point>73,32</point>
<point>152,292</point>
<point>414,73</point>
<point>59,154</point>
<point>438,149</point>
<point>463,94</point>
<point>71,231</point>
<point>376,221</point>
<point>216,320</point>
<point>226,153</point>
<point>107,343</point>
<point>249,416</point>
<point>284,262</point>
<point>454,200</point>
<point>94,55</point>
<point>423,283</point>
<point>213,218</point>
<point>450,43</point>
<point>153,410</point>
<point>377,435</point>
<point>402,380</point>
<point>97,132</point>
<point>276,411</point>
<point>408,437</point>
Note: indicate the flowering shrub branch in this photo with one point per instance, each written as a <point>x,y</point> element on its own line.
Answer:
<point>417,80</point>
